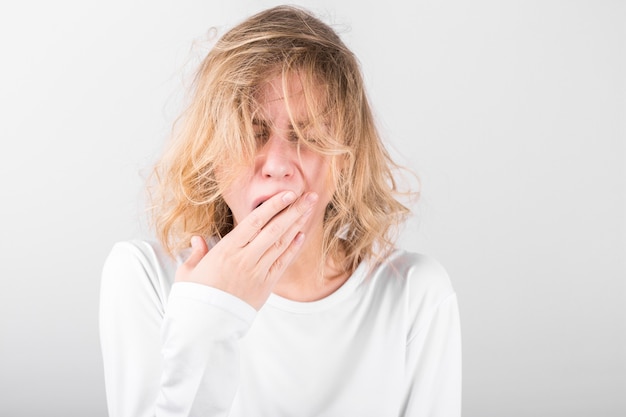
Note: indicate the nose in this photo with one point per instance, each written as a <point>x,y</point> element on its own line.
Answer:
<point>277,158</point>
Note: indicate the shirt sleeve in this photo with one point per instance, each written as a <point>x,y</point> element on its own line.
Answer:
<point>166,353</point>
<point>434,365</point>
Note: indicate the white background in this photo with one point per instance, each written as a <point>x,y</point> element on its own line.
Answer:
<point>513,113</point>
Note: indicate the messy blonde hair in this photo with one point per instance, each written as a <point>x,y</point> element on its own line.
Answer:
<point>216,131</point>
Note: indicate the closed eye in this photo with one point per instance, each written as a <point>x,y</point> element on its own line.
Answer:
<point>261,132</point>
<point>293,137</point>
<point>261,137</point>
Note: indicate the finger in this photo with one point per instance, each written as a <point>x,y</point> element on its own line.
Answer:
<point>282,243</point>
<point>281,263</point>
<point>272,235</point>
<point>255,221</point>
<point>198,250</point>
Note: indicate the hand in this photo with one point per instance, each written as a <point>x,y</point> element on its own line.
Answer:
<point>250,259</point>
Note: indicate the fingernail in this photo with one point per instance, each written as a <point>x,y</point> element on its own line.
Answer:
<point>289,197</point>
<point>311,198</point>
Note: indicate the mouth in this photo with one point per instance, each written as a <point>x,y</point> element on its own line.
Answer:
<point>263,199</point>
<point>260,201</point>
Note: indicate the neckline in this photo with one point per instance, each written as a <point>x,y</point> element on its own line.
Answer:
<point>305,307</point>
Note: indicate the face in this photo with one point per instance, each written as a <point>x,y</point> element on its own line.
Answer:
<point>278,165</point>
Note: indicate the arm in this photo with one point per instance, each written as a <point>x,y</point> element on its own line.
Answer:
<point>166,359</point>
<point>434,365</point>
<point>200,336</point>
<point>131,312</point>
<point>180,357</point>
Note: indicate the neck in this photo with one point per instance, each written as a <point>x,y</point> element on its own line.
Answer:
<point>308,278</point>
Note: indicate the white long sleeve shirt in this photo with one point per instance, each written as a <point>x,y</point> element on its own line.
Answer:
<point>386,343</point>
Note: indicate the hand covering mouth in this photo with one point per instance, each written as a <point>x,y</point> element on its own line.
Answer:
<point>261,200</point>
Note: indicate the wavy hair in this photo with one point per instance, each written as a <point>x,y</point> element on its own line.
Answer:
<point>216,132</point>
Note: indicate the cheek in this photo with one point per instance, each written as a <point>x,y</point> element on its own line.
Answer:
<point>321,179</point>
<point>325,172</point>
<point>234,198</point>
<point>233,182</point>
<point>234,194</point>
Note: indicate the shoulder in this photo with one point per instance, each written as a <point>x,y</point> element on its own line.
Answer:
<point>417,283</point>
<point>418,274</point>
<point>148,254</point>
<point>138,264</point>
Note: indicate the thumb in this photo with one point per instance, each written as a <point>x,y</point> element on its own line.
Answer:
<point>198,250</point>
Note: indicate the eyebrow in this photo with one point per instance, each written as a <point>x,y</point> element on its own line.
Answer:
<point>264,123</point>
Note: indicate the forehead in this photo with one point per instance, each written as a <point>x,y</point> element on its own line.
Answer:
<point>279,87</point>
<point>298,98</point>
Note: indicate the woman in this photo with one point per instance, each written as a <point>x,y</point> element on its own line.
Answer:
<point>291,299</point>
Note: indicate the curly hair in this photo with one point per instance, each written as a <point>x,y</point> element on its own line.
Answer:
<point>216,132</point>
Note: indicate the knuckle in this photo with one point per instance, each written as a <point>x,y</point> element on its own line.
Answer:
<point>301,219</point>
<point>303,208</point>
<point>256,221</point>
<point>279,244</point>
<point>278,265</point>
<point>275,229</point>
<point>300,208</point>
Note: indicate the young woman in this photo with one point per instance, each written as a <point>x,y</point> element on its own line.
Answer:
<point>291,300</point>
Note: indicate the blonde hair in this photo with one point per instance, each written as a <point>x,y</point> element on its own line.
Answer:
<point>216,130</point>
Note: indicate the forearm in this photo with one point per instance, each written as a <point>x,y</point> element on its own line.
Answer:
<point>200,347</point>
<point>434,365</point>
<point>166,353</point>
